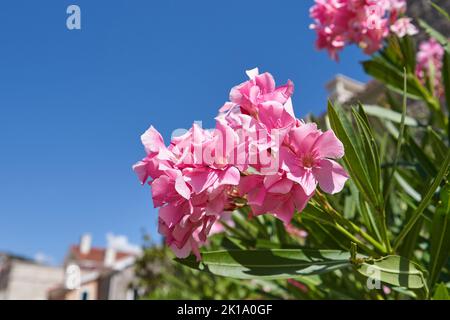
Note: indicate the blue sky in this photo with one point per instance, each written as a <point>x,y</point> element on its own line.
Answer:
<point>73,104</point>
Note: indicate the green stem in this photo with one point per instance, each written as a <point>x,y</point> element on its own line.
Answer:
<point>340,219</point>
<point>384,229</point>
<point>368,238</point>
<point>355,240</point>
<point>384,232</point>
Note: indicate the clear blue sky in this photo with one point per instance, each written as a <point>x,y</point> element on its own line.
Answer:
<point>74,103</point>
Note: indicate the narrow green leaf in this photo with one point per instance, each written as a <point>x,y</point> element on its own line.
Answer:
<point>440,10</point>
<point>392,53</point>
<point>350,206</point>
<point>440,235</point>
<point>354,154</point>
<point>433,33</point>
<point>406,186</point>
<point>422,156</point>
<point>394,270</point>
<point>370,219</point>
<point>408,49</point>
<point>387,114</point>
<point>400,136</point>
<point>371,155</point>
<point>313,213</point>
<point>441,292</point>
<point>446,77</point>
<point>437,144</point>
<point>269,264</point>
<point>425,200</point>
<point>393,78</point>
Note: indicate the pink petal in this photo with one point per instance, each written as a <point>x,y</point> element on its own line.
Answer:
<point>215,206</point>
<point>305,178</point>
<point>171,215</point>
<point>256,196</point>
<point>273,115</point>
<point>249,183</point>
<point>161,190</point>
<point>152,140</point>
<point>252,73</point>
<point>285,211</point>
<point>289,108</point>
<point>288,160</point>
<point>200,180</point>
<point>331,176</point>
<point>182,188</point>
<point>183,252</point>
<point>230,176</point>
<point>277,184</point>
<point>140,169</point>
<point>235,95</point>
<point>304,137</point>
<point>300,198</point>
<point>329,146</point>
<point>266,82</point>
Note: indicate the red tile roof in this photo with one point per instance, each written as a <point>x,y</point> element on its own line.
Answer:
<point>95,254</point>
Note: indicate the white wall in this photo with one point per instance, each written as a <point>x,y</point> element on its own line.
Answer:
<point>28,281</point>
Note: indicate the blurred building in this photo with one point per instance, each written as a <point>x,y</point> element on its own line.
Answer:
<point>24,279</point>
<point>93,273</point>
<point>342,88</point>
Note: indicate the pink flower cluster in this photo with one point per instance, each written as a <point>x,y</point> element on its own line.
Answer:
<point>429,63</point>
<point>259,153</point>
<point>363,22</point>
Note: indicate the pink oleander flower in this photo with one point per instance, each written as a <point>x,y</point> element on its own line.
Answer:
<point>259,152</point>
<point>429,60</point>
<point>295,232</point>
<point>219,227</point>
<point>262,115</point>
<point>403,27</point>
<point>298,285</point>
<point>366,23</point>
<point>258,90</point>
<point>307,159</point>
<point>150,165</point>
<point>274,194</point>
<point>190,188</point>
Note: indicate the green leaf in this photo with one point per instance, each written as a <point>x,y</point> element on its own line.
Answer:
<point>430,190</point>
<point>440,10</point>
<point>311,212</point>
<point>438,146</point>
<point>269,264</point>
<point>433,33</point>
<point>421,155</point>
<point>392,78</point>
<point>409,53</point>
<point>399,140</point>
<point>446,76</point>
<point>370,149</point>
<point>387,114</point>
<point>394,270</point>
<point>441,292</point>
<point>370,219</point>
<point>440,235</point>
<point>354,154</point>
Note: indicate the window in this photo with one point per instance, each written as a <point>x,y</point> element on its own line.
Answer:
<point>85,295</point>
